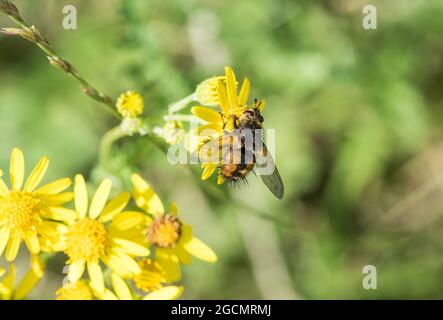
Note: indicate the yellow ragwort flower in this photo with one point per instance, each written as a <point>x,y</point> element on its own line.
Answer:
<point>130,104</point>
<point>103,233</point>
<point>173,240</point>
<point>27,212</point>
<point>232,106</point>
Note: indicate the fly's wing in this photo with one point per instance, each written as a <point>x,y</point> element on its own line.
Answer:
<point>272,180</point>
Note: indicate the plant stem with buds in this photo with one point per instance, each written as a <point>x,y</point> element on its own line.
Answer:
<point>31,33</point>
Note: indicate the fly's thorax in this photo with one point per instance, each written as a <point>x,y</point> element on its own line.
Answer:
<point>251,119</point>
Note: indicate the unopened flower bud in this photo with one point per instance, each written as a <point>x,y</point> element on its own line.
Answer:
<point>26,34</point>
<point>206,91</point>
<point>130,125</point>
<point>60,63</point>
<point>173,132</point>
<point>130,104</point>
<point>38,36</point>
<point>9,8</point>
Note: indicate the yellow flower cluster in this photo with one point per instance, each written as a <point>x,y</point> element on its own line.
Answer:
<point>222,92</point>
<point>113,252</point>
<point>130,104</point>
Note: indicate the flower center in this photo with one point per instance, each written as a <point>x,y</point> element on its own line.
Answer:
<point>151,277</point>
<point>20,210</point>
<point>165,231</point>
<point>86,239</point>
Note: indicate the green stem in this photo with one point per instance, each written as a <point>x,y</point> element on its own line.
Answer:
<point>181,117</point>
<point>181,104</point>
<point>106,143</point>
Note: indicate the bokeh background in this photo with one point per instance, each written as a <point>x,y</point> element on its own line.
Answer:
<point>358,118</point>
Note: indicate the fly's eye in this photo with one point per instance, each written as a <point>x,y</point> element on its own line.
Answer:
<point>248,113</point>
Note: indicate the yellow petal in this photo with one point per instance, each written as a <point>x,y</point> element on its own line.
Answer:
<point>13,246</point>
<point>183,255</point>
<point>145,196</point>
<point>171,267</point>
<point>129,263</point>
<point>231,85</point>
<point>230,125</point>
<point>9,281</point>
<point>108,295</point>
<point>208,171</point>
<point>55,187</point>
<point>36,175</point>
<point>37,265</point>
<point>32,242</point>
<point>60,214</point>
<point>222,97</point>
<point>206,114</point>
<point>127,220</point>
<point>81,195</point>
<point>96,275</point>
<point>17,169</point>
<point>27,284</point>
<point>200,250</point>
<point>131,247</point>
<point>4,237</point>
<point>186,233</point>
<point>244,92</point>
<point>209,129</point>
<point>76,270</point>
<point>137,235</point>
<point>176,254</point>
<point>30,280</point>
<point>3,188</point>
<point>51,228</point>
<point>165,293</point>
<point>100,198</point>
<point>120,287</point>
<point>115,206</point>
<point>54,200</point>
<point>220,179</point>
<point>116,265</point>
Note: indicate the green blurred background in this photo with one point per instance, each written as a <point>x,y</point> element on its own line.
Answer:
<point>357,115</point>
